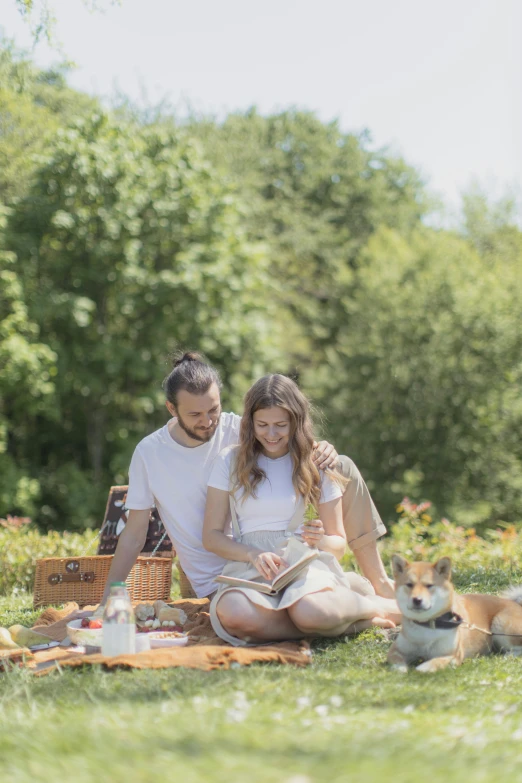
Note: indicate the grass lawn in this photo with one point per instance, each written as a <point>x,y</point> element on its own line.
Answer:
<point>345,718</point>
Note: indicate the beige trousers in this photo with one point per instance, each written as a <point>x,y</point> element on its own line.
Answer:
<point>362,522</point>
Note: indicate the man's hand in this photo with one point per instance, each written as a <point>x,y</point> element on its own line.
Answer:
<point>325,455</point>
<point>313,531</point>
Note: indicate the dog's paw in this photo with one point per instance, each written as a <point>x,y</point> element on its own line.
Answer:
<point>399,667</point>
<point>427,666</point>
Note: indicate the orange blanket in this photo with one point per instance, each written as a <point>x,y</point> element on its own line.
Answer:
<point>204,651</point>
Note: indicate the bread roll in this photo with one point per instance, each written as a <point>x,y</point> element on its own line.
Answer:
<point>144,612</point>
<point>166,612</point>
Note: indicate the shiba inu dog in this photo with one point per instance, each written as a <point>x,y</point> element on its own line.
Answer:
<point>442,627</point>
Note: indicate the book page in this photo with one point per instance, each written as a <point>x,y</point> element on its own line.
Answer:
<point>294,569</point>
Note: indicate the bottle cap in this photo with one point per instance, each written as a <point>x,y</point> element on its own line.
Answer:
<point>118,584</point>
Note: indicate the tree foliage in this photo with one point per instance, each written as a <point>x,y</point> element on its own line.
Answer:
<point>27,368</point>
<point>428,375</point>
<point>33,105</point>
<point>315,195</point>
<point>128,246</point>
<point>269,243</point>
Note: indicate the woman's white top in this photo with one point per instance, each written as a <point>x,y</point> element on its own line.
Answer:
<point>275,501</point>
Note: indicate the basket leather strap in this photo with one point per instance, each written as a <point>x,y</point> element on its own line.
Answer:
<point>86,576</point>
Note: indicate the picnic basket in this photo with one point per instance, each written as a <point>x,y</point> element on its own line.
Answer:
<point>82,579</point>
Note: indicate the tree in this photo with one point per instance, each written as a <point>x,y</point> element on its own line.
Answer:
<point>128,246</point>
<point>493,228</point>
<point>316,195</point>
<point>26,387</point>
<point>423,384</point>
<point>33,105</point>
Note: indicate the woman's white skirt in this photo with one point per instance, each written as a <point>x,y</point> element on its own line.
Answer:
<point>323,573</point>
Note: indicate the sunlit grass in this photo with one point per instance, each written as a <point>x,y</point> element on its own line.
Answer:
<point>346,717</point>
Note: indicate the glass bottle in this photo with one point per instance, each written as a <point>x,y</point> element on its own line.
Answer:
<point>119,625</point>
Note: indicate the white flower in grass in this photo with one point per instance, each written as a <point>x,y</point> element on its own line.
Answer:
<point>322,710</point>
<point>336,701</point>
<point>457,732</point>
<point>236,716</point>
<point>298,779</point>
<point>303,702</point>
<point>408,709</point>
<point>240,709</point>
<point>517,735</point>
<point>477,740</point>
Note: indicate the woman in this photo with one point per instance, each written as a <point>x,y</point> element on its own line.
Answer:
<point>267,480</point>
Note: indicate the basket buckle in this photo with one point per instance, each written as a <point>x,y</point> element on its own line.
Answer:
<point>56,579</point>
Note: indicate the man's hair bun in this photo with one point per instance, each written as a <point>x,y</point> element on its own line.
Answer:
<point>190,371</point>
<point>188,356</point>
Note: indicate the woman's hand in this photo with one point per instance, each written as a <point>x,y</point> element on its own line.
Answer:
<point>267,563</point>
<point>313,531</point>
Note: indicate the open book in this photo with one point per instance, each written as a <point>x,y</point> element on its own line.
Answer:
<point>281,580</point>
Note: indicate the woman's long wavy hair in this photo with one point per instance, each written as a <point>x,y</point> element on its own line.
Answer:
<point>281,392</point>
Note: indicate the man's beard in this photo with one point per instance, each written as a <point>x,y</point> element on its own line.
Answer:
<point>194,434</point>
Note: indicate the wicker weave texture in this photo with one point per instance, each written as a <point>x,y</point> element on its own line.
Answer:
<point>149,579</point>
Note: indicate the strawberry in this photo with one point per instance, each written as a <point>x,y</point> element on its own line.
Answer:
<point>95,624</point>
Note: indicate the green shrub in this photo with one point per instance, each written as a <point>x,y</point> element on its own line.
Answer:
<point>21,545</point>
<point>417,536</point>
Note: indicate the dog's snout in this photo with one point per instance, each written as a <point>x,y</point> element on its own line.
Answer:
<point>417,601</point>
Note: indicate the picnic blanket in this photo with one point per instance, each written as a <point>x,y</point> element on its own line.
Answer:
<point>204,651</point>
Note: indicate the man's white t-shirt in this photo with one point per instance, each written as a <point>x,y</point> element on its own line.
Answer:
<point>175,478</point>
<point>276,499</point>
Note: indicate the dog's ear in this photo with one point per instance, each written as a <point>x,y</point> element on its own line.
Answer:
<point>399,565</point>
<point>443,567</point>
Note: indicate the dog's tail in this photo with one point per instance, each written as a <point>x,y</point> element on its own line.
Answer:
<point>513,594</point>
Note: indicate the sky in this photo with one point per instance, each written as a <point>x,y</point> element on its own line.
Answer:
<point>438,82</point>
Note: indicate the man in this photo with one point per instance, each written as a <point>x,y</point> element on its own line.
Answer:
<point>170,469</point>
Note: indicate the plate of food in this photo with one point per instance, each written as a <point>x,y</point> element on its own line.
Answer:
<point>87,632</point>
<point>151,619</point>
<point>159,617</point>
<point>167,639</point>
